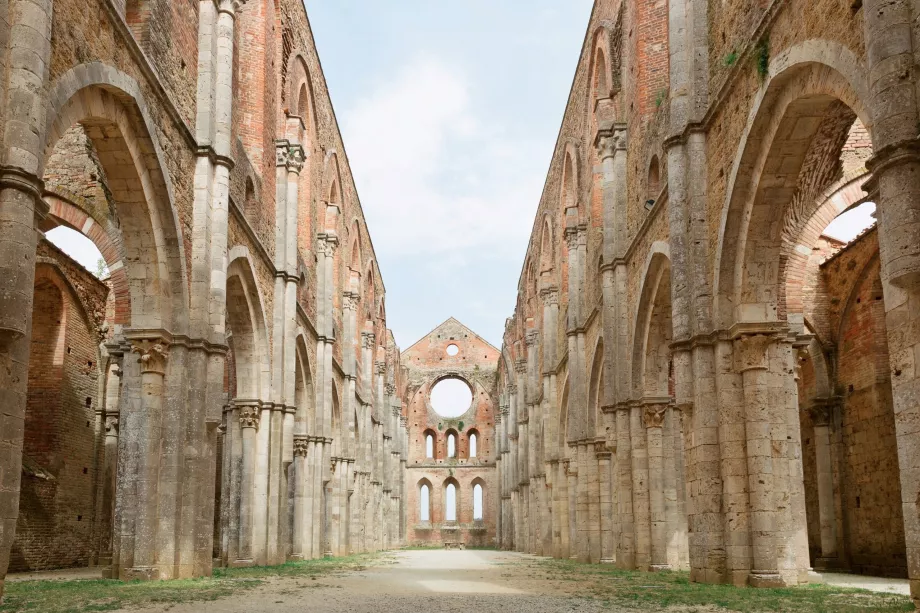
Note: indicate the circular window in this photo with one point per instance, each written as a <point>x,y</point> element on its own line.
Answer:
<point>453,350</point>
<point>451,397</point>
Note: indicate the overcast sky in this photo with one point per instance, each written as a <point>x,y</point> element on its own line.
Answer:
<point>449,112</point>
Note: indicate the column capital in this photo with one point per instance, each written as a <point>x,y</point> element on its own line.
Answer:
<point>571,238</point>
<point>381,367</point>
<point>390,390</point>
<point>751,351</point>
<point>326,243</point>
<point>532,337</point>
<point>153,354</point>
<point>301,445</point>
<point>550,295</point>
<point>654,414</point>
<point>249,417</point>
<point>368,340</point>
<point>350,300</point>
<point>520,365</point>
<point>610,138</point>
<point>111,424</point>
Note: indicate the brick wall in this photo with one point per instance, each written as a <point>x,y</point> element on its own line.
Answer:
<point>55,525</point>
<point>424,364</point>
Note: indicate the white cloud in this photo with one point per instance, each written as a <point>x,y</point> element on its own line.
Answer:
<point>435,177</point>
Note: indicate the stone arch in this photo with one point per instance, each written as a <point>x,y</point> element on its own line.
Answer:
<point>425,497</point>
<point>564,419</point>
<point>332,191</point>
<point>111,109</point>
<point>547,249</point>
<point>301,101</point>
<point>797,264</point>
<point>64,213</point>
<point>452,511</point>
<point>304,400</point>
<point>802,83</point>
<point>652,327</point>
<point>653,181</point>
<point>478,499</point>
<point>569,197</point>
<point>596,388</point>
<point>247,330</point>
<point>474,443</point>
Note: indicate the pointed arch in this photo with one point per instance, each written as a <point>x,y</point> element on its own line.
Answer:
<point>247,332</point>
<point>805,79</point>
<point>652,327</point>
<point>110,107</point>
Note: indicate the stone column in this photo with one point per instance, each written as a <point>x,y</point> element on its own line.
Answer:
<point>571,470</point>
<point>653,418</point>
<point>603,455</point>
<point>106,481</point>
<point>562,512</point>
<point>640,488</point>
<point>147,435</point>
<point>827,505</point>
<point>301,509</point>
<point>249,416</point>
<point>594,501</point>
<point>626,551</point>
<point>761,359</point>
<point>26,48</point>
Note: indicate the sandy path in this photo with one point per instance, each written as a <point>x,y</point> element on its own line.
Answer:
<point>413,582</point>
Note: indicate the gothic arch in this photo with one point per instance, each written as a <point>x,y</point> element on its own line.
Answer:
<point>652,327</point>
<point>248,333</point>
<point>111,109</point>
<point>803,81</point>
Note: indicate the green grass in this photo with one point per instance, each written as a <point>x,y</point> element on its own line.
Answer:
<point>640,591</point>
<point>85,596</point>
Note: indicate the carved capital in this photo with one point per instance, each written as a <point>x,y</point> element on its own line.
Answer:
<point>550,295</point>
<point>301,445</point>
<point>520,365</point>
<point>532,337</point>
<point>111,424</point>
<point>153,355</point>
<point>381,367</point>
<point>390,390</point>
<point>296,159</point>
<point>249,417</point>
<point>326,245</point>
<point>350,301</point>
<point>653,416</point>
<point>368,340</point>
<point>751,352</point>
<point>571,238</point>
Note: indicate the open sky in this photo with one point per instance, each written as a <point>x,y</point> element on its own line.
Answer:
<point>449,112</point>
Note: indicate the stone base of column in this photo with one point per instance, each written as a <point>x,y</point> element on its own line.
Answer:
<point>657,568</point>
<point>141,573</point>
<point>242,563</point>
<point>296,557</point>
<point>108,572</point>
<point>765,579</point>
<point>608,561</point>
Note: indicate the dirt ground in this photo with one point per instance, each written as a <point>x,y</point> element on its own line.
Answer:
<point>412,582</point>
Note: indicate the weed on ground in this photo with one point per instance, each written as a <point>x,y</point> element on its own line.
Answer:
<point>639,591</point>
<point>85,596</point>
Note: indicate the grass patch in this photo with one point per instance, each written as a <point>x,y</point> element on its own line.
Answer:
<point>638,591</point>
<point>85,596</point>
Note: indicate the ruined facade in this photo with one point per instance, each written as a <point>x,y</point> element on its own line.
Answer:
<point>695,377</point>
<point>229,392</point>
<point>451,452</point>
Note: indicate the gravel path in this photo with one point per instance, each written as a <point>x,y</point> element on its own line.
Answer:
<point>413,582</point>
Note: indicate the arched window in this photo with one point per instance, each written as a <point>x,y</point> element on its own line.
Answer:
<point>654,182</point>
<point>473,444</point>
<point>477,502</point>
<point>451,445</point>
<point>429,446</point>
<point>424,503</point>
<point>450,507</point>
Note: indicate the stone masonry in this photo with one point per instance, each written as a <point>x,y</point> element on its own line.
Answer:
<point>695,375</point>
<point>227,395</point>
